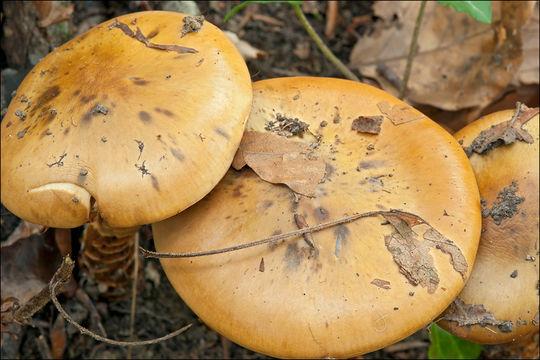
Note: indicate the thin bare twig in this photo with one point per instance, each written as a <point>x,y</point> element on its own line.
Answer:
<point>274,238</point>
<point>412,51</point>
<point>60,277</point>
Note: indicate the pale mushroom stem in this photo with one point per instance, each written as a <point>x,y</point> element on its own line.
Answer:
<point>107,256</point>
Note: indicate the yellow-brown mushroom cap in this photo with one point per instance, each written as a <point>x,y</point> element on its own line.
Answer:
<point>347,295</point>
<point>500,301</point>
<point>141,130</point>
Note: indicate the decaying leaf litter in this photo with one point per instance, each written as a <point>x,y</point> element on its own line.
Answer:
<point>262,69</point>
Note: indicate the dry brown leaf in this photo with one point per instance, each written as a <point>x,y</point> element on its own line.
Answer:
<point>28,260</point>
<point>469,314</point>
<point>52,12</point>
<point>528,72</point>
<point>399,114</point>
<point>367,124</point>
<point>58,338</point>
<point>413,257</point>
<point>280,161</point>
<point>460,62</point>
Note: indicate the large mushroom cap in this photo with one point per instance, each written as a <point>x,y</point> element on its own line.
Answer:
<point>500,301</point>
<point>134,115</point>
<point>364,284</point>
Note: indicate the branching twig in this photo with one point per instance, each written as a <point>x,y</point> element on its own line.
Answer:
<point>60,277</point>
<point>412,51</point>
<point>274,238</point>
<point>322,46</point>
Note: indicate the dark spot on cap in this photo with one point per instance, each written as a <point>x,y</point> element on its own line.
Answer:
<point>51,116</point>
<point>320,214</point>
<point>76,92</point>
<point>166,112</point>
<point>144,116</point>
<point>267,204</point>
<point>222,133</point>
<point>45,97</point>
<point>86,117</point>
<point>295,254</point>
<point>155,183</point>
<point>9,124</point>
<point>141,82</point>
<point>66,131</point>
<point>87,99</point>
<point>177,154</point>
<point>236,191</point>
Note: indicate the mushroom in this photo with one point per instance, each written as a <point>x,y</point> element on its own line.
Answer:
<point>126,124</point>
<point>499,304</point>
<point>351,288</point>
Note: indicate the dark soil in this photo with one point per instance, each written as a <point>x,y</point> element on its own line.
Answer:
<point>159,309</point>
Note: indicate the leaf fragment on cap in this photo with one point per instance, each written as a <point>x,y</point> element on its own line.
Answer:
<point>399,113</point>
<point>280,161</point>
<point>413,257</point>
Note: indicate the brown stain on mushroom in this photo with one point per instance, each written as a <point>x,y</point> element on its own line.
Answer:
<point>294,255</point>
<point>321,214</point>
<point>236,191</point>
<point>222,133</point>
<point>138,81</point>
<point>177,154</point>
<point>86,99</point>
<point>369,164</point>
<point>165,112</point>
<point>46,96</point>
<point>145,117</point>
<point>155,182</point>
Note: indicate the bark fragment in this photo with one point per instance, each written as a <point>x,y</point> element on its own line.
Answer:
<point>505,133</point>
<point>468,314</point>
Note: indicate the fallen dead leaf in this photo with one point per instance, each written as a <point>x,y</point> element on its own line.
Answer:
<point>460,62</point>
<point>52,12</point>
<point>58,337</point>
<point>29,258</point>
<point>413,257</point>
<point>279,160</point>
<point>528,72</point>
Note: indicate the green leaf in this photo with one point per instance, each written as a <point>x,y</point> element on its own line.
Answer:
<point>480,10</point>
<point>447,346</point>
<point>242,5</point>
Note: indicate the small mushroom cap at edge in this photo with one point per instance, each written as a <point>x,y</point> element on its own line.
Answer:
<point>500,300</point>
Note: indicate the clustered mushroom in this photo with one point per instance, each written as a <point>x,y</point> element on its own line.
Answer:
<point>348,289</point>
<point>499,304</point>
<point>126,124</point>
